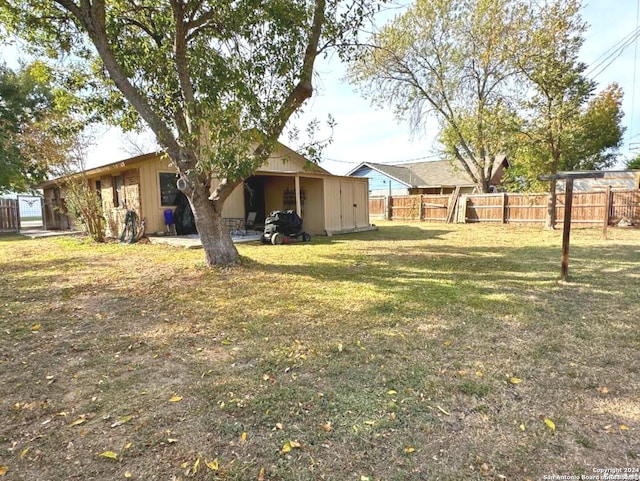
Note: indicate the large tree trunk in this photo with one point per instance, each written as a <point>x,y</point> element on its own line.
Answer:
<point>218,246</point>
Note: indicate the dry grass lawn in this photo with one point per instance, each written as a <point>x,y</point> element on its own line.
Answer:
<point>417,352</point>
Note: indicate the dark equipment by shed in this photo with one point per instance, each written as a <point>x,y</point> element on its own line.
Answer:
<point>568,177</point>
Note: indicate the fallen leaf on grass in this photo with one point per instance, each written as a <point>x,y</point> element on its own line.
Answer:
<point>515,380</point>
<point>35,328</point>
<point>326,427</point>
<point>24,452</point>
<point>226,342</point>
<point>78,421</point>
<point>409,449</point>
<point>243,437</point>
<point>623,427</point>
<point>261,475</point>
<point>3,470</point>
<point>550,424</point>
<point>128,474</point>
<point>603,390</point>
<point>289,445</point>
<point>212,465</point>
<point>443,411</point>
<point>175,399</point>
<point>121,421</point>
<point>109,454</point>
<point>522,427</point>
<point>391,392</point>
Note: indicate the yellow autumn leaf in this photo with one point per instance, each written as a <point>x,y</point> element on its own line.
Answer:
<point>35,328</point>
<point>78,421</point>
<point>448,342</point>
<point>3,470</point>
<point>286,447</point>
<point>515,380</point>
<point>128,445</point>
<point>624,427</point>
<point>365,478</point>
<point>175,399</point>
<point>226,342</point>
<point>127,474</point>
<point>261,475</point>
<point>391,392</point>
<point>409,449</point>
<point>109,454</point>
<point>243,437</point>
<point>279,426</point>
<point>212,465</point>
<point>479,373</point>
<point>550,424</point>
<point>295,444</point>
<point>24,452</point>
<point>184,465</point>
<point>522,427</point>
<point>196,465</point>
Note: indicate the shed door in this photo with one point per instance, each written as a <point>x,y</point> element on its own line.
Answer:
<point>361,202</point>
<point>347,205</point>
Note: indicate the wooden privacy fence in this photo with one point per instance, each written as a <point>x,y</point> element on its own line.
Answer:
<point>589,208</point>
<point>8,215</point>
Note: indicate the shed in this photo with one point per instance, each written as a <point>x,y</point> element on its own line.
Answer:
<point>146,184</point>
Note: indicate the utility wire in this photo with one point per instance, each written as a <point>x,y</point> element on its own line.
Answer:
<point>633,84</point>
<point>615,54</point>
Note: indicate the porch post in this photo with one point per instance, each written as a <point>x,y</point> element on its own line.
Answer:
<point>298,202</point>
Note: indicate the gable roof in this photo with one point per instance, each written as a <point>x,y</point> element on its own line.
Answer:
<point>438,173</point>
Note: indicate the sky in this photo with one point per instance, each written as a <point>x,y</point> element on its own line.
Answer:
<point>367,133</point>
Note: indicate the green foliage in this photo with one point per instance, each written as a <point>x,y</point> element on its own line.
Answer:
<point>450,59</point>
<point>566,127</point>
<point>634,163</point>
<point>501,76</point>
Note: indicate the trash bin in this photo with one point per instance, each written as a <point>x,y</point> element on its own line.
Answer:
<point>168,220</point>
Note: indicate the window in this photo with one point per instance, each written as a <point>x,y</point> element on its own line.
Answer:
<point>99,190</point>
<point>118,191</point>
<point>168,190</point>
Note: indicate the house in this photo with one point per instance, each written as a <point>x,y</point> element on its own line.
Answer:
<point>436,177</point>
<point>146,184</point>
<point>616,179</point>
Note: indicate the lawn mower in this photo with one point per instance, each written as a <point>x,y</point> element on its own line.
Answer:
<point>283,227</point>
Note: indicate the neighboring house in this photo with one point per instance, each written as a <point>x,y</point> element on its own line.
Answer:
<point>146,184</point>
<point>437,177</point>
<point>617,179</point>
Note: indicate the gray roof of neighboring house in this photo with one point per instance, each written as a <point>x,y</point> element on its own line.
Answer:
<point>428,174</point>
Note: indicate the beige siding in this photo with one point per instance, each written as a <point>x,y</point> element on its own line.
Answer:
<point>313,218</point>
<point>285,161</point>
<point>274,192</point>
<point>234,205</point>
<point>333,221</point>
<point>150,198</point>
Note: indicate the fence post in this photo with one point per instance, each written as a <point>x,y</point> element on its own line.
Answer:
<point>390,208</point>
<point>420,209</point>
<point>17,214</point>
<point>504,207</point>
<point>607,211</point>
